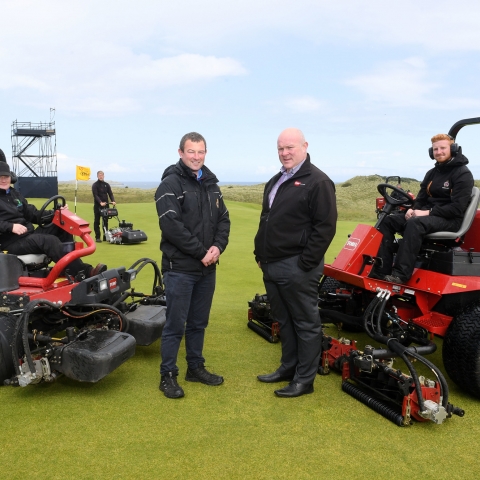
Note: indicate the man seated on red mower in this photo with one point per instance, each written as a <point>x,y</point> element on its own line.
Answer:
<point>18,237</point>
<point>440,206</point>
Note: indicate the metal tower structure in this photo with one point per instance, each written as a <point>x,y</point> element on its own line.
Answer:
<point>34,157</point>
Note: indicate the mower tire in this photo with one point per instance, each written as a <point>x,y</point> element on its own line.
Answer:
<point>7,328</point>
<point>461,350</point>
<point>330,285</point>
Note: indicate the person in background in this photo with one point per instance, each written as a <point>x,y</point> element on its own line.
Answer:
<point>102,194</point>
<point>195,226</point>
<point>297,224</point>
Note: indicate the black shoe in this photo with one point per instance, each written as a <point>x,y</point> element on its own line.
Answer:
<point>100,268</point>
<point>201,375</point>
<point>295,389</point>
<point>395,279</point>
<point>98,240</point>
<point>377,276</point>
<point>170,387</point>
<point>276,377</point>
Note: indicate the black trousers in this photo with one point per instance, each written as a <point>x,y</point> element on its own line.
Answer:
<point>48,240</point>
<point>413,232</point>
<point>97,218</point>
<point>293,296</point>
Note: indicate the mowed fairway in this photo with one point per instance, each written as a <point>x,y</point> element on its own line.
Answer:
<point>123,427</point>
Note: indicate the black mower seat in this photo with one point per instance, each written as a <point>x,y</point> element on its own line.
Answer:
<point>466,224</point>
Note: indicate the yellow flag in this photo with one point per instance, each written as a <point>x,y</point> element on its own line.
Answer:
<point>83,173</point>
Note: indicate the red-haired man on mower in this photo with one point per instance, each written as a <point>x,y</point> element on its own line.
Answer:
<point>439,206</point>
<point>18,237</point>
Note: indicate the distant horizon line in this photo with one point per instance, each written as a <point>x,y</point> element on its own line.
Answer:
<point>255,182</point>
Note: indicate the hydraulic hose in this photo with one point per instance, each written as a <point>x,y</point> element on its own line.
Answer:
<point>99,306</point>
<point>444,392</point>
<point>382,309</point>
<point>332,316</point>
<point>394,345</point>
<point>21,327</point>
<point>158,276</point>
<point>420,350</point>
<point>413,372</point>
<point>371,306</point>
<point>123,297</point>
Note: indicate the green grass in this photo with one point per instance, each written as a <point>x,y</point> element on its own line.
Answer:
<point>123,427</point>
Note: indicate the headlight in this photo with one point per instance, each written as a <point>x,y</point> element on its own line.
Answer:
<point>129,275</point>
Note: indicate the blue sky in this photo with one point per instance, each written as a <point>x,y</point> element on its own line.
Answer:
<point>368,82</point>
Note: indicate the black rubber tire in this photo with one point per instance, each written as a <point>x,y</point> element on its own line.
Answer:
<point>329,284</point>
<point>7,328</point>
<point>461,350</point>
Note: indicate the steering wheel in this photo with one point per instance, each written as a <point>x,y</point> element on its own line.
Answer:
<point>58,203</point>
<point>403,198</point>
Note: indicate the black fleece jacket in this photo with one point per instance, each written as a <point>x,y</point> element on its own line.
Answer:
<point>14,208</point>
<point>446,189</point>
<point>302,220</point>
<point>192,218</point>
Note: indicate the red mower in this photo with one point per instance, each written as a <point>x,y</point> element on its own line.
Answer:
<point>84,328</point>
<point>441,298</point>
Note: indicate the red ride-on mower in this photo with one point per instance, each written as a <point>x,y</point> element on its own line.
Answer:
<point>441,298</point>
<point>84,328</point>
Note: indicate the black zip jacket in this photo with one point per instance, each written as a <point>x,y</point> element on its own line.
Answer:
<point>192,218</point>
<point>302,220</point>
<point>14,208</point>
<point>446,189</point>
<point>102,192</point>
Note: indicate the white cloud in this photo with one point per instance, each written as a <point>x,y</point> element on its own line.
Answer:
<point>304,104</point>
<point>117,87</point>
<point>397,83</point>
<point>91,57</point>
<point>406,83</point>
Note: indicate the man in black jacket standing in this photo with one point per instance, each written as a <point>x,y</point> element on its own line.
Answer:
<point>297,224</point>
<point>439,206</point>
<point>195,227</point>
<point>102,192</point>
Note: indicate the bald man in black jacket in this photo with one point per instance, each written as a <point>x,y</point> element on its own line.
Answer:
<point>297,224</point>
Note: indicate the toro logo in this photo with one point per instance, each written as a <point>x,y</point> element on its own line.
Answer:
<point>352,243</point>
<point>112,283</point>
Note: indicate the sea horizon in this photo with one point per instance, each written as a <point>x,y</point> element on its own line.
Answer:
<point>149,185</point>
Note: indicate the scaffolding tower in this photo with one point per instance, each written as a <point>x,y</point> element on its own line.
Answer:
<point>34,158</point>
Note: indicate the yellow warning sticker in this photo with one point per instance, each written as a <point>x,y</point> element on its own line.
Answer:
<point>459,285</point>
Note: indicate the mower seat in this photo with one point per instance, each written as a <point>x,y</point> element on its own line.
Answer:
<point>470,212</point>
<point>34,261</point>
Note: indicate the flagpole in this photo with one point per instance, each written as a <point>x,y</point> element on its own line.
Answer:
<point>76,186</point>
